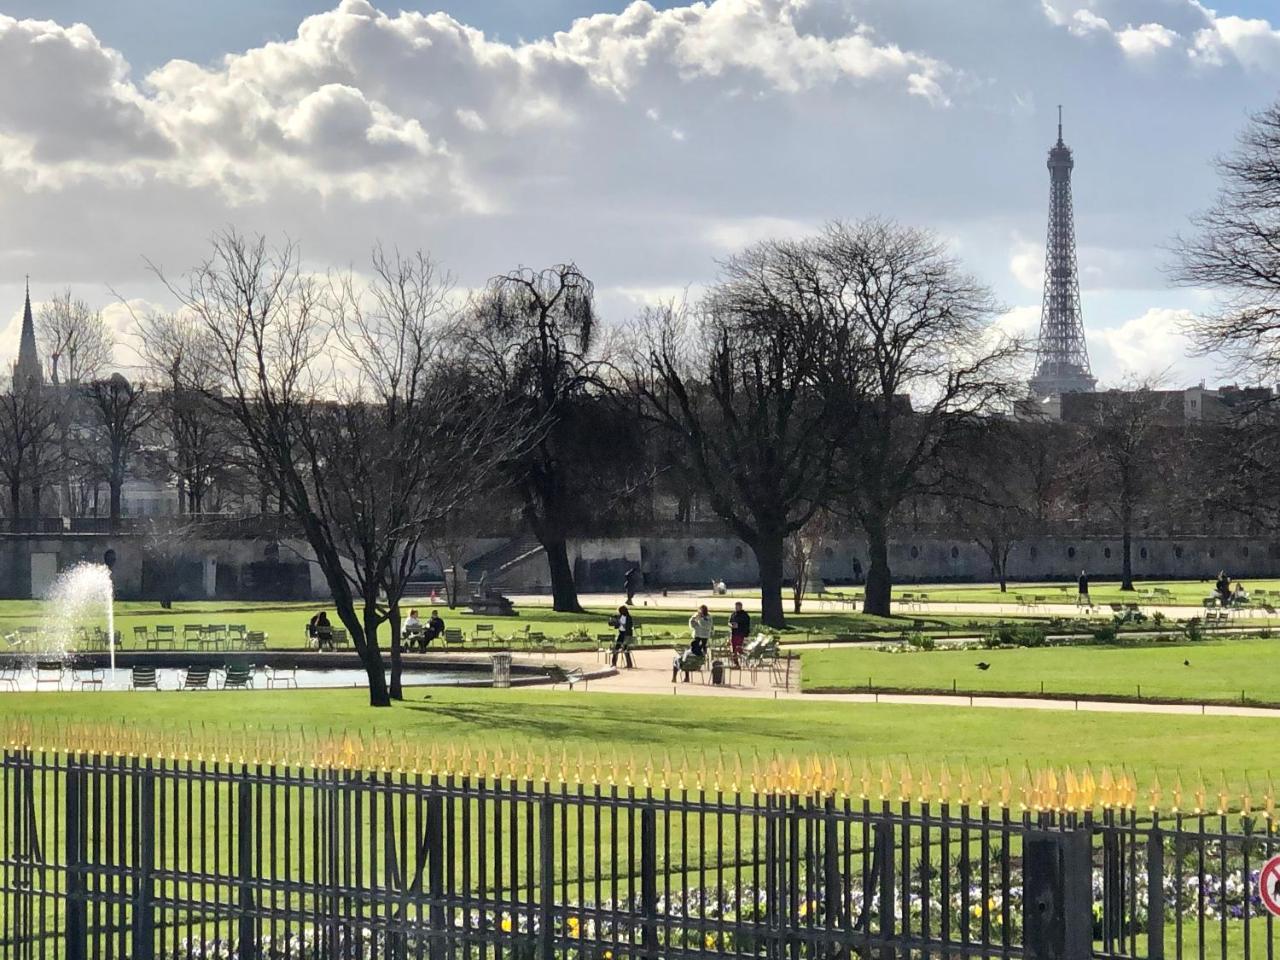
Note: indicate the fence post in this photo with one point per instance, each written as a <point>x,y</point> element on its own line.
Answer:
<point>77,916</point>
<point>831,865</point>
<point>144,834</point>
<point>244,864</point>
<point>435,870</point>
<point>1058,894</point>
<point>547,877</point>
<point>1155,893</point>
<point>649,879</point>
<point>888,923</point>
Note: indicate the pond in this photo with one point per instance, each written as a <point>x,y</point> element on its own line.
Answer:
<point>31,678</point>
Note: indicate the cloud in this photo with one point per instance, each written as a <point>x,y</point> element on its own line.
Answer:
<point>1149,344</point>
<point>1146,40</point>
<point>1027,264</point>
<point>1255,44</point>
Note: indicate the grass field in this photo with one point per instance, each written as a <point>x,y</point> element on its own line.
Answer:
<point>1220,746</point>
<point>1183,592</point>
<point>1209,671</point>
<point>284,622</point>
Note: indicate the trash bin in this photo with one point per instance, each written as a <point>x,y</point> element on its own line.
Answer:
<point>501,670</point>
<point>717,673</point>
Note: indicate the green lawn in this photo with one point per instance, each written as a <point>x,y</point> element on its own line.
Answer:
<point>284,622</point>
<point>1204,671</point>
<point>1184,592</point>
<point>648,726</point>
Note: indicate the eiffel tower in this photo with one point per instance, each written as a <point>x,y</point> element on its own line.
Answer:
<point>1062,359</point>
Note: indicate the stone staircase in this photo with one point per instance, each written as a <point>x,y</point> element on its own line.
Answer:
<point>500,564</point>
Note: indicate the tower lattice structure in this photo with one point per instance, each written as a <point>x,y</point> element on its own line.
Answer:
<point>1062,358</point>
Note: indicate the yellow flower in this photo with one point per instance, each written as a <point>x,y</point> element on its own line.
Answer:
<point>710,941</point>
<point>804,908</point>
<point>607,955</point>
<point>573,926</point>
<point>976,910</point>
<point>506,923</point>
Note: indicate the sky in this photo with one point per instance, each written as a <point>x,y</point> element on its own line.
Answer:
<point>645,141</point>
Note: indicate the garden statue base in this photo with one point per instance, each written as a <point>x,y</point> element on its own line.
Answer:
<point>492,605</point>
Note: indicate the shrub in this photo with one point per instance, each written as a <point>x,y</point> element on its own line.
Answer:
<point>920,641</point>
<point>1193,629</point>
<point>1105,634</point>
<point>1022,635</point>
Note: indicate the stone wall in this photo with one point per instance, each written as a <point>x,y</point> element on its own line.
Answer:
<point>249,569</point>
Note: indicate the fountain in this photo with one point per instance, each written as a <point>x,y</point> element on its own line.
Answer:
<point>81,593</point>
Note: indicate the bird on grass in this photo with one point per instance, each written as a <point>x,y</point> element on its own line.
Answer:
<point>1186,663</point>
<point>983,665</point>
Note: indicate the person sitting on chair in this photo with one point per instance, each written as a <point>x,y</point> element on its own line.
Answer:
<point>411,629</point>
<point>435,627</point>
<point>320,631</point>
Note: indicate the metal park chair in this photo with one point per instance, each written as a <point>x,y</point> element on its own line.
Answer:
<point>282,677</point>
<point>196,678</point>
<point>144,678</point>
<point>237,676</point>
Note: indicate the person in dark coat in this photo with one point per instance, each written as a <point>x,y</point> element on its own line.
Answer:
<point>630,580</point>
<point>739,627</point>
<point>1083,584</point>
<point>320,631</point>
<point>435,627</point>
<point>1223,588</point>
<point>625,625</point>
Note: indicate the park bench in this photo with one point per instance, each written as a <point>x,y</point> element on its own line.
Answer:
<point>144,678</point>
<point>196,678</point>
<point>568,675</point>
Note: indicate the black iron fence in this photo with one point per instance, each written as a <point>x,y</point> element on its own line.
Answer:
<point>107,855</point>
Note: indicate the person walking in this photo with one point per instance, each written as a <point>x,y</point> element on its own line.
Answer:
<point>1083,585</point>
<point>630,580</point>
<point>739,627</point>
<point>625,625</point>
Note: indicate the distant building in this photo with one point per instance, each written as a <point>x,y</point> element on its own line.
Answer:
<point>27,372</point>
<point>1193,404</point>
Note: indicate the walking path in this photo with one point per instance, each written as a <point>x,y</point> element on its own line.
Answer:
<point>652,676</point>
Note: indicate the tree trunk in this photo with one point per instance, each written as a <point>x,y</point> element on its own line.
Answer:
<point>116,485</point>
<point>393,618</point>
<point>1126,533</point>
<point>769,552</point>
<point>15,507</point>
<point>879,596</point>
<point>379,696</point>
<point>564,592</point>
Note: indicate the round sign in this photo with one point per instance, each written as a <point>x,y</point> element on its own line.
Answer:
<point>1269,886</point>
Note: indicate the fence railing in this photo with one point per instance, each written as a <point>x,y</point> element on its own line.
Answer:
<point>116,856</point>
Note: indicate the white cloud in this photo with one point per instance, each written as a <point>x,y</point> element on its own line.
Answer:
<point>1146,40</point>
<point>1255,44</point>
<point>1027,264</point>
<point>1152,343</point>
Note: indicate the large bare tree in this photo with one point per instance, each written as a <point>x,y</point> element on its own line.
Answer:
<point>914,357</point>
<point>1234,250</point>
<point>735,380</point>
<point>75,338</point>
<point>335,390</point>
<point>532,337</point>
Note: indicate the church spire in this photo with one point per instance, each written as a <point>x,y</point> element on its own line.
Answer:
<point>28,366</point>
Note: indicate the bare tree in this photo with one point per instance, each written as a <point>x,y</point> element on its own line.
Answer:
<point>118,413</point>
<point>334,390</point>
<point>1000,486</point>
<point>531,336</point>
<point>915,359</point>
<point>195,447</point>
<point>75,338</point>
<point>412,440</point>
<point>1235,250</point>
<point>804,547</point>
<point>28,429</point>
<point>735,382</point>
<point>1131,439</point>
